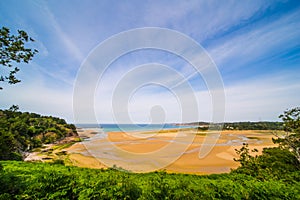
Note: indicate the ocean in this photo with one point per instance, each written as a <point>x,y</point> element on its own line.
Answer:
<point>130,127</point>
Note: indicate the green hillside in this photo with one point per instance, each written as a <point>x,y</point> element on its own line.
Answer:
<point>22,131</point>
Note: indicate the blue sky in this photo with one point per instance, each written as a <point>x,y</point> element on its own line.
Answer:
<point>254,44</point>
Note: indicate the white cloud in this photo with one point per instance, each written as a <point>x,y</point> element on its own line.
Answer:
<point>39,92</point>
<point>253,99</point>
<point>262,99</point>
<point>257,43</point>
<point>51,21</point>
<point>36,97</point>
<point>202,19</point>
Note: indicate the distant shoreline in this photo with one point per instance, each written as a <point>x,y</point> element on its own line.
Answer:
<point>201,126</point>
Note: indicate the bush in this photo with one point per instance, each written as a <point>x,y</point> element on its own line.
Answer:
<point>47,181</point>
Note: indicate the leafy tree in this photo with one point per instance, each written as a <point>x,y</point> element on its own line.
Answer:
<point>14,108</point>
<point>20,132</point>
<point>291,139</point>
<point>278,162</point>
<point>13,50</point>
<point>275,163</point>
<point>244,155</point>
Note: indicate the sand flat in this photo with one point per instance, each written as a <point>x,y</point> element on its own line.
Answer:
<point>218,160</point>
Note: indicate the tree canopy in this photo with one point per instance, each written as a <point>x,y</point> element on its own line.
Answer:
<point>291,139</point>
<point>13,50</point>
<point>23,131</point>
<point>277,162</point>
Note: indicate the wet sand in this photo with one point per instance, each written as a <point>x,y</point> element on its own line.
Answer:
<point>120,149</point>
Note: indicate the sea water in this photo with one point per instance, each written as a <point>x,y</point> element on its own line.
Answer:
<point>129,127</point>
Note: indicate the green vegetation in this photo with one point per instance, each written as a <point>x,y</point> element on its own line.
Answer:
<point>253,126</point>
<point>274,163</point>
<point>20,132</point>
<point>282,162</point>
<point>13,50</point>
<point>21,180</point>
<point>291,139</point>
<point>203,126</point>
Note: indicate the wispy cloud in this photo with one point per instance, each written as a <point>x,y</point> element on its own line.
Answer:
<point>258,43</point>
<point>260,99</point>
<point>37,97</point>
<point>202,19</point>
<point>250,41</point>
<point>51,20</point>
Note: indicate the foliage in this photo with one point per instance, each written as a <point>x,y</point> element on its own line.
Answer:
<point>23,131</point>
<point>23,180</point>
<point>13,50</point>
<point>202,126</point>
<point>278,162</point>
<point>291,139</point>
<point>253,126</point>
<point>244,156</point>
<point>274,163</point>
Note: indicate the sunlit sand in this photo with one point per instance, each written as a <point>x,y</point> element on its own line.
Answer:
<point>219,160</point>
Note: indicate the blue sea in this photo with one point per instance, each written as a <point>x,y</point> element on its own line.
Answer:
<point>130,127</point>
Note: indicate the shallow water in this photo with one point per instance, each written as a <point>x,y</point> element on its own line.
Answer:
<point>130,127</point>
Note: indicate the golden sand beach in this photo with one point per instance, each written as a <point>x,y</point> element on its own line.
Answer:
<point>97,154</point>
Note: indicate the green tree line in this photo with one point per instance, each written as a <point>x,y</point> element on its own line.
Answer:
<point>264,125</point>
<point>253,126</point>
<point>22,131</point>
